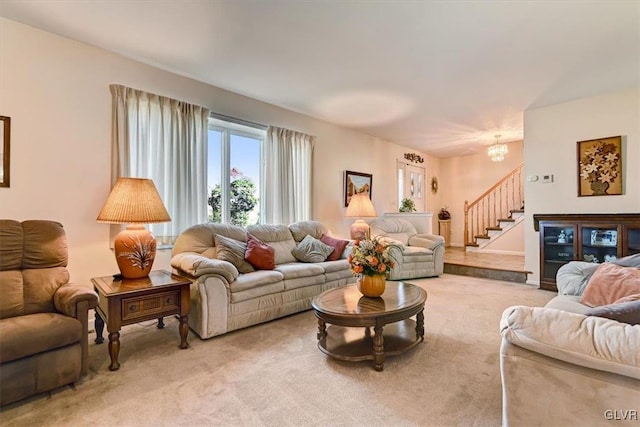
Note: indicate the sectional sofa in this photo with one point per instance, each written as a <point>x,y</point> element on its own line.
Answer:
<point>562,364</point>
<point>223,299</point>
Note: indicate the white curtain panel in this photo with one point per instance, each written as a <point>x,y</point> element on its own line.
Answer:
<point>287,176</point>
<point>165,140</point>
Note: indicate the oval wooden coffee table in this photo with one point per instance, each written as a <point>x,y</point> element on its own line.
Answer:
<point>347,311</point>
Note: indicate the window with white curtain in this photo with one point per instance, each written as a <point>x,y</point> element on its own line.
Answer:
<point>234,163</point>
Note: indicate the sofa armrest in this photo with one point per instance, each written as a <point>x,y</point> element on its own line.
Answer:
<point>197,265</point>
<point>68,297</point>
<point>574,276</point>
<point>428,241</point>
<point>388,241</point>
<point>588,341</point>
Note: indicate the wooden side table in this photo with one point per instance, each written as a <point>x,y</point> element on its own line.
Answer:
<point>126,301</point>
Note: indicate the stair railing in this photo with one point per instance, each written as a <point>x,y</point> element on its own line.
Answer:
<point>494,204</point>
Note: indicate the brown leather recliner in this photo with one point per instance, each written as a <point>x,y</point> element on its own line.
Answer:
<point>43,318</point>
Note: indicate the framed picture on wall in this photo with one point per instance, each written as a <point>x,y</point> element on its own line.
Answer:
<point>356,183</point>
<point>600,167</point>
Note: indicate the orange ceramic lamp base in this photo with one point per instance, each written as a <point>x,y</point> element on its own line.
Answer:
<point>135,249</point>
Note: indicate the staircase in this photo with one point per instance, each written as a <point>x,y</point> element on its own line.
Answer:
<point>495,212</point>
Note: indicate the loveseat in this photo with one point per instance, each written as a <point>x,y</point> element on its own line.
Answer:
<point>563,364</point>
<point>415,255</point>
<point>224,299</point>
<point>43,318</point>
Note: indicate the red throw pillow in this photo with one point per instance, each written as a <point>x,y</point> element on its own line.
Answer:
<point>260,255</point>
<point>609,283</point>
<point>338,246</point>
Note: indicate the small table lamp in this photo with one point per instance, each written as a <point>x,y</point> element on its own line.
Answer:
<point>360,206</point>
<point>134,201</point>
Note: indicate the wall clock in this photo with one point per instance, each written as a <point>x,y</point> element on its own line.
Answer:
<point>434,185</point>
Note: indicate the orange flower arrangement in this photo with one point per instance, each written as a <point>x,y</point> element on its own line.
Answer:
<point>370,257</point>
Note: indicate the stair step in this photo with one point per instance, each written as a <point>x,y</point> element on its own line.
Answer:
<point>494,228</point>
<point>482,236</point>
<point>506,220</point>
<point>475,245</point>
<point>517,211</point>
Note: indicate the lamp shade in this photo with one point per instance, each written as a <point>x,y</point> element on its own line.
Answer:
<point>134,201</point>
<point>360,206</point>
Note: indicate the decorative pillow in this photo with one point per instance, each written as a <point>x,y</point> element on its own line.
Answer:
<point>260,255</point>
<point>311,249</point>
<point>625,312</point>
<point>337,244</point>
<point>609,283</point>
<point>233,250</point>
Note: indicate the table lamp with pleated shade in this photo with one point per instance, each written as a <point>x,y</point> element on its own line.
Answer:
<point>360,206</point>
<point>134,201</point>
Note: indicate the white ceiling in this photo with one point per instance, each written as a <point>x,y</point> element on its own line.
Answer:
<point>441,76</point>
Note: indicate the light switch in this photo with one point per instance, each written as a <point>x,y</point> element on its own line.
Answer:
<point>547,178</point>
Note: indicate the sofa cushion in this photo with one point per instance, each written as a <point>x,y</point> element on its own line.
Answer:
<point>200,238</point>
<point>338,246</point>
<point>255,280</point>
<point>331,266</point>
<point>570,303</point>
<point>260,255</point>
<point>301,229</point>
<point>609,283</point>
<point>625,312</point>
<point>278,237</point>
<point>311,249</point>
<point>296,270</point>
<point>231,250</point>
<point>36,333</point>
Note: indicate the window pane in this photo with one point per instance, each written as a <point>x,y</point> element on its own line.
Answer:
<point>214,175</point>
<point>244,177</point>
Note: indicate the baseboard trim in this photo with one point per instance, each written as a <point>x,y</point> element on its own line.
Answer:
<point>533,282</point>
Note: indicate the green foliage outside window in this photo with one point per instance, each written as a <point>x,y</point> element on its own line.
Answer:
<point>242,199</point>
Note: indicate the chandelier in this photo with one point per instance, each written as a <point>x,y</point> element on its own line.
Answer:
<point>497,150</point>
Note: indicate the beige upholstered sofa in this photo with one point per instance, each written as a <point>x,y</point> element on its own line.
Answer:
<point>43,318</point>
<point>416,255</point>
<point>223,299</point>
<point>560,367</point>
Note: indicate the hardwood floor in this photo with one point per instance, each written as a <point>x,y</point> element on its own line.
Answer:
<point>493,266</point>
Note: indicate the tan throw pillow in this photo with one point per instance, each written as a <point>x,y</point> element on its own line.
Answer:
<point>232,251</point>
<point>609,283</point>
<point>311,249</point>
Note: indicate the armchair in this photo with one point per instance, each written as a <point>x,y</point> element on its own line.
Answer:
<point>43,318</point>
<point>416,255</point>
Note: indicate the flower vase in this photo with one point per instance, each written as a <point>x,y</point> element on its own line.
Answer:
<point>372,286</point>
<point>599,188</point>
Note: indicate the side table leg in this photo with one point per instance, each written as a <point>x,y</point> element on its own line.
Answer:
<point>98,323</point>
<point>160,322</point>
<point>114,350</point>
<point>378,349</point>
<point>420,326</point>
<point>184,331</point>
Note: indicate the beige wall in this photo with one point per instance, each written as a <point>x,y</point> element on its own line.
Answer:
<point>467,177</point>
<point>56,92</point>
<point>551,134</point>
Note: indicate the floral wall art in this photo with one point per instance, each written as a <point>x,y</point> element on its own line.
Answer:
<point>600,167</point>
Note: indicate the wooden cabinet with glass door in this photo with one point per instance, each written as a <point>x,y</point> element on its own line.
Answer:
<point>592,238</point>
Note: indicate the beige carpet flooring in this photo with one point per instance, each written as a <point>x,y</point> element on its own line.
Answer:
<point>274,375</point>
